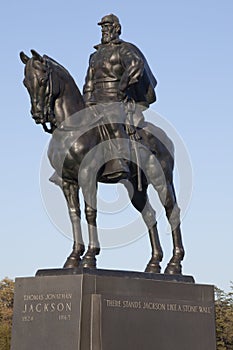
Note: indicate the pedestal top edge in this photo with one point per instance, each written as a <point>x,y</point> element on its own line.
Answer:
<point>116,273</point>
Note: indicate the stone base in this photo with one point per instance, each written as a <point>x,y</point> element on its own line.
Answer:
<point>76,309</point>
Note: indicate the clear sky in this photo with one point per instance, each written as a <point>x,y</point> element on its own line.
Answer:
<point>188,45</point>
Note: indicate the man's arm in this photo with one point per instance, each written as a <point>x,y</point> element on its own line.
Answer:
<point>133,66</point>
<point>88,86</point>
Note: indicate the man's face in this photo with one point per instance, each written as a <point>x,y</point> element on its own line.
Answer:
<point>108,33</point>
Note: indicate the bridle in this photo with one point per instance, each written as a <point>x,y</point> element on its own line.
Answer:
<point>51,119</point>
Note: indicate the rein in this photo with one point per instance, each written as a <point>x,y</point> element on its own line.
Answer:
<point>50,113</point>
<point>48,130</point>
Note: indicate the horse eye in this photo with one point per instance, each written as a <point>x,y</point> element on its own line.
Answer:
<point>43,79</point>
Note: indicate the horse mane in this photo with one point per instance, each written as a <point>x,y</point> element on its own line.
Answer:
<point>51,60</point>
<point>63,70</point>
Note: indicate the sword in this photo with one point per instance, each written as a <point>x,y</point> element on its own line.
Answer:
<point>131,131</point>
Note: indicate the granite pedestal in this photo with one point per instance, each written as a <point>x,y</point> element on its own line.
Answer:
<point>76,309</point>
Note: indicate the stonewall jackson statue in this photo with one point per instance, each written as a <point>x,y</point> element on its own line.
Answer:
<point>101,136</point>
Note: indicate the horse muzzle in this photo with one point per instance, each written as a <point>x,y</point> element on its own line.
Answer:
<point>39,119</point>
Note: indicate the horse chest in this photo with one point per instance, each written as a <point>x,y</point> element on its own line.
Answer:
<point>59,152</point>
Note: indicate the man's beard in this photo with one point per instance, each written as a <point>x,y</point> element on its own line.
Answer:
<point>107,37</point>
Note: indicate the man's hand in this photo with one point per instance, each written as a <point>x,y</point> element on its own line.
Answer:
<point>121,95</point>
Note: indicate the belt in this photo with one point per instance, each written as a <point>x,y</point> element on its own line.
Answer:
<point>106,84</point>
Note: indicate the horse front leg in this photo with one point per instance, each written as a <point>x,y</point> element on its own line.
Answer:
<point>89,259</point>
<point>89,190</point>
<point>71,192</point>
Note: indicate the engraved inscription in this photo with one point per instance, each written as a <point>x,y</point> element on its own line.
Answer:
<point>58,303</point>
<point>157,306</point>
<point>113,303</point>
<point>47,307</point>
<point>49,296</point>
<point>27,318</point>
<point>154,306</point>
<point>132,304</point>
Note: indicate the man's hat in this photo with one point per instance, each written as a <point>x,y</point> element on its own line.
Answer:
<point>109,19</point>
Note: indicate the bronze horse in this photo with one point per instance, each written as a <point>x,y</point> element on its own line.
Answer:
<point>55,100</point>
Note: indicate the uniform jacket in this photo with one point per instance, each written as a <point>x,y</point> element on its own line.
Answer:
<point>123,63</point>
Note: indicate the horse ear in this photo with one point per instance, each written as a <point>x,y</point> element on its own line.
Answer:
<point>37,56</point>
<point>24,57</point>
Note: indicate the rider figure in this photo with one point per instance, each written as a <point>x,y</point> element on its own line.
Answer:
<point>117,72</point>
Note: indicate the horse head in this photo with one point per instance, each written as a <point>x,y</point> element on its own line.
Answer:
<point>38,81</point>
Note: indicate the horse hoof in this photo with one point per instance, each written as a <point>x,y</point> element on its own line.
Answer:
<point>72,262</point>
<point>153,266</point>
<point>173,269</point>
<point>89,262</point>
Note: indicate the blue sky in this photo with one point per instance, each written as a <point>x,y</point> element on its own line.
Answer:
<point>189,48</point>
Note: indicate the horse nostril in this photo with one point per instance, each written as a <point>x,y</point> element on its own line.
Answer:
<point>37,117</point>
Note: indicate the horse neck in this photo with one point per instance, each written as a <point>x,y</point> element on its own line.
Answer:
<point>69,100</point>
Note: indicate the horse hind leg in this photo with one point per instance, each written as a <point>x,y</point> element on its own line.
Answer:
<point>148,215</point>
<point>173,216</point>
<point>71,191</point>
<point>140,201</point>
<point>157,253</point>
<point>161,180</point>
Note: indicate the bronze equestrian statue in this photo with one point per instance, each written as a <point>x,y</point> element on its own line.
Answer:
<point>102,137</point>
